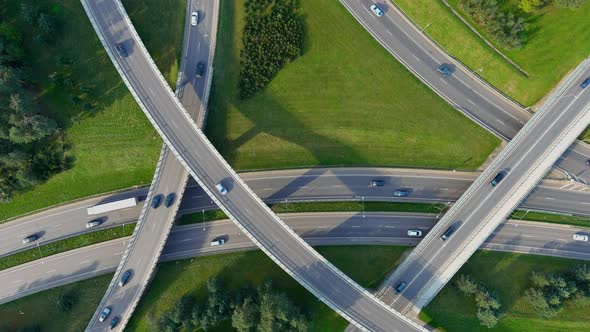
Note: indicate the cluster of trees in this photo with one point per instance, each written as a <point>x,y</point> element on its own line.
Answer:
<point>31,145</point>
<point>507,28</point>
<point>550,290</point>
<point>273,36</point>
<point>488,306</point>
<point>41,19</point>
<point>569,3</point>
<point>264,310</point>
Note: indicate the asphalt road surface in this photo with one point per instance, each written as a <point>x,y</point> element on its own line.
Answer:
<point>463,90</point>
<point>316,228</point>
<point>153,227</point>
<point>297,185</point>
<point>207,166</point>
<point>523,162</point>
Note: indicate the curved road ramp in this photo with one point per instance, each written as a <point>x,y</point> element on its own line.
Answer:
<point>208,168</point>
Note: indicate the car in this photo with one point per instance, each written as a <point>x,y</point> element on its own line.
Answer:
<point>194,18</point>
<point>221,188</point>
<point>93,223</point>
<point>375,9</point>
<point>121,50</point>
<point>125,278</point>
<point>114,322</point>
<point>400,288</point>
<point>30,238</point>
<point>443,69</point>
<point>217,242</point>
<point>200,70</point>
<point>585,83</point>
<point>376,183</point>
<point>588,162</point>
<point>449,232</point>
<point>414,233</point>
<point>581,237</point>
<point>496,180</point>
<point>156,201</point>
<point>401,193</point>
<point>104,314</point>
<point>169,199</point>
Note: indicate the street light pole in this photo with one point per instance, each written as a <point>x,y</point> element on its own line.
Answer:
<point>426,27</point>
<point>363,205</point>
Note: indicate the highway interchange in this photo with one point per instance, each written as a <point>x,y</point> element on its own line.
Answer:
<point>573,164</point>
<point>338,228</point>
<point>154,225</point>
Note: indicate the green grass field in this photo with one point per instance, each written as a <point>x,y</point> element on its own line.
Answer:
<point>345,101</point>
<point>41,309</point>
<point>507,274</point>
<point>117,148</point>
<point>558,40</point>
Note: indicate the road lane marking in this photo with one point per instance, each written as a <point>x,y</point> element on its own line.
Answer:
<point>84,262</point>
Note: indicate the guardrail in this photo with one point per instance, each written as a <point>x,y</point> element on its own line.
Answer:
<point>234,175</point>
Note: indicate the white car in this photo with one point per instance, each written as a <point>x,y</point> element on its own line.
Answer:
<point>581,237</point>
<point>194,18</point>
<point>414,233</point>
<point>377,10</point>
<point>221,188</point>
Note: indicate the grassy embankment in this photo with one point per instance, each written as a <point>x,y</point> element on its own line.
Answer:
<point>345,101</point>
<point>116,147</point>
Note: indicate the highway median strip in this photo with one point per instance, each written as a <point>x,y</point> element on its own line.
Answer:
<point>355,206</point>
<point>65,245</point>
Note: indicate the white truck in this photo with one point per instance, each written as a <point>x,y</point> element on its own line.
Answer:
<point>112,206</point>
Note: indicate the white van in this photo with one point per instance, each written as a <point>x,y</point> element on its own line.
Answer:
<point>217,242</point>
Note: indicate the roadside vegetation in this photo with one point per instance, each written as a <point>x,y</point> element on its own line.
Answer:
<point>368,265</point>
<point>557,39</point>
<point>554,218</point>
<point>64,245</point>
<point>107,141</point>
<point>344,101</point>
<point>210,215</point>
<point>522,285</point>
<point>67,308</point>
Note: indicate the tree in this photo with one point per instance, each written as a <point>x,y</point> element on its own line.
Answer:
<point>466,284</point>
<point>245,315</point>
<point>28,12</point>
<point>529,6</point>
<point>582,273</point>
<point>536,299</point>
<point>65,302</point>
<point>31,128</point>
<point>539,279</point>
<point>487,317</point>
<point>46,24</point>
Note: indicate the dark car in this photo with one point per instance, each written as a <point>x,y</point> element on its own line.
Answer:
<point>497,179</point>
<point>447,234</point>
<point>376,183</point>
<point>200,69</point>
<point>401,193</point>
<point>30,238</point>
<point>400,288</point>
<point>125,278</point>
<point>156,201</point>
<point>444,70</point>
<point>169,199</point>
<point>114,322</point>
<point>121,50</point>
<point>585,83</point>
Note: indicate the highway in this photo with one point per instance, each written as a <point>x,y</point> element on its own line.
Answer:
<point>295,185</point>
<point>147,242</point>
<point>463,90</point>
<point>316,228</point>
<point>524,161</point>
<point>209,168</point>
